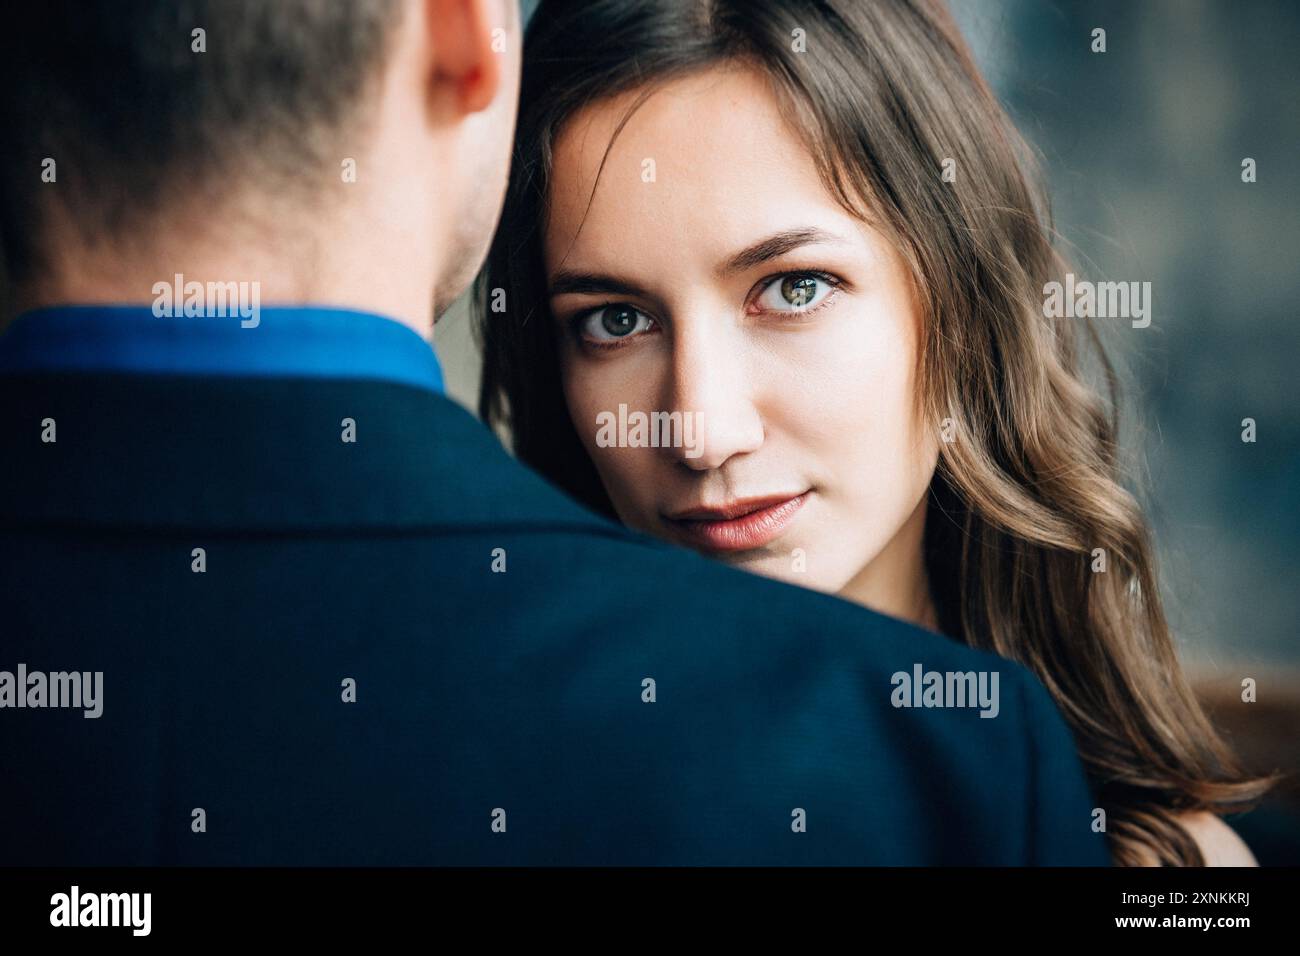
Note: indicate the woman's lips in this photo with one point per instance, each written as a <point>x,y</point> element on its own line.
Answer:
<point>738,526</point>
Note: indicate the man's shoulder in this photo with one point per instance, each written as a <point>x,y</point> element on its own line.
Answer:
<point>673,597</point>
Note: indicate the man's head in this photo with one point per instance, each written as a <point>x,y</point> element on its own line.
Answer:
<point>146,135</point>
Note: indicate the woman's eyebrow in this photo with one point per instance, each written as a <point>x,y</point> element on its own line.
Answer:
<point>777,244</point>
<point>591,283</point>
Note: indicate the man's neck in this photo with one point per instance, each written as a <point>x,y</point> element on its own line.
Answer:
<point>355,258</point>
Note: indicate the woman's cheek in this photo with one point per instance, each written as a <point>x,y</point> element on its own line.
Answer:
<point>858,387</point>
<point>621,470</point>
<point>583,397</point>
<point>864,424</point>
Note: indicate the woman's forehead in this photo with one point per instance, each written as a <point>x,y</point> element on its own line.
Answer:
<point>707,157</point>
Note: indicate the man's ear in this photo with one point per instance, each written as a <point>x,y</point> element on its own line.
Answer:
<point>464,34</point>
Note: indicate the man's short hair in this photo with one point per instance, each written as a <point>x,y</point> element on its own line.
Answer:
<point>136,100</point>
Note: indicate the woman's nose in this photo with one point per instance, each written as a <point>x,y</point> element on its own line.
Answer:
<point>712,388</point>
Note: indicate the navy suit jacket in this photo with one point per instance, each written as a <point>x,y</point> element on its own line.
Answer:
<point>499,717</point>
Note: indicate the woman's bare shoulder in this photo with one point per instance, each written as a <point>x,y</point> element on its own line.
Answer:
<point>1218,842</point>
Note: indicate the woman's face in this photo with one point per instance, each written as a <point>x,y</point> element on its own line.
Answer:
<point>713,275</point>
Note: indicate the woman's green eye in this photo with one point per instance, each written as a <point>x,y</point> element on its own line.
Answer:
<point>799,290</point>
<point>618,321</point>
<point>613,322</point>
<point>796,292</point>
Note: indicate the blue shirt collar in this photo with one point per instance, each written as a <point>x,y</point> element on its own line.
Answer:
<point>286,342</point>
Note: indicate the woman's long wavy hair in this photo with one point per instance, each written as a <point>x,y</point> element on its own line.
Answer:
<point>1029,485</point>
